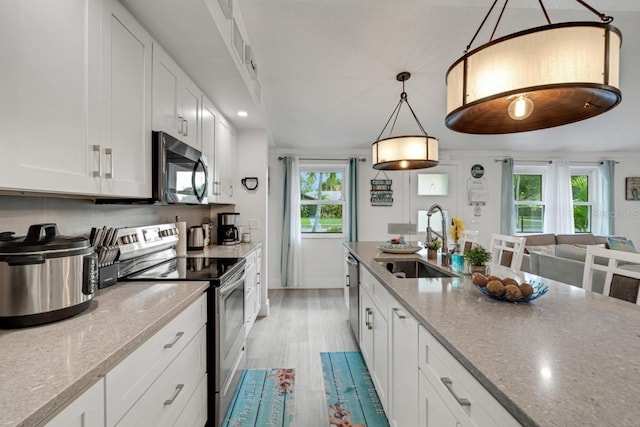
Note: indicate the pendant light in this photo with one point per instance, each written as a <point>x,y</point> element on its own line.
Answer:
<point>537,78</point>
<point>408,151</point>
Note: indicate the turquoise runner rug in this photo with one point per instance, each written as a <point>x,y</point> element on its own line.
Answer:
<point>263,397</point>
<point>352,399</point>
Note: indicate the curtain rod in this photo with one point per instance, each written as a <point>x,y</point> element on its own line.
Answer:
<point>524,160</point>
<point>362,159</point>
<point>584,162</point>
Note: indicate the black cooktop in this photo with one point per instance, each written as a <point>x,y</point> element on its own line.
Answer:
<point>211,269</point>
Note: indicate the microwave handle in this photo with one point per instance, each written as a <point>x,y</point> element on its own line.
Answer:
<point>199,164</point>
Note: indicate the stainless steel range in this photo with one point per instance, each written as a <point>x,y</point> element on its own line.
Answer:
<point>148,253</point>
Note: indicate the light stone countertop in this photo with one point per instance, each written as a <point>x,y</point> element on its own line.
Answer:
<point>569,358</point>
<point>241,250</point>
<point>42,368</point>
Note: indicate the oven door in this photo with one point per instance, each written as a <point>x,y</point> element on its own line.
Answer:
<point>229,327</point>
<point>181,171</point>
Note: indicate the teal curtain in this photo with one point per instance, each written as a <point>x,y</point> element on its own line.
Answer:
<point>508,217</point>
<point>353,199</point>
<point>289,259</point>
<point>606,168</point>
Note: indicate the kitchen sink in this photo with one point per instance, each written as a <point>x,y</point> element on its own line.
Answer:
<point>412,269</point>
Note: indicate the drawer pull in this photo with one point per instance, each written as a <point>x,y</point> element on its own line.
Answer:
<point>177,391</point>
<point>397,311</point>
<point>175,340</point>
<point>449,385</point>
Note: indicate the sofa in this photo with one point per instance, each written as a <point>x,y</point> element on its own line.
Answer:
<point>562,258</point>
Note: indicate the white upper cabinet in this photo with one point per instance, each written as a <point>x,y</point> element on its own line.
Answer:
<point>225,162</point>
<point>208,120</point>
<point>76,101</point>
<point>176,100</point>
<point>50,95</point>
<point>125,131</point>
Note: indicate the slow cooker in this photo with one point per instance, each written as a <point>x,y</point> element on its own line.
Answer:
<point>44,277</point>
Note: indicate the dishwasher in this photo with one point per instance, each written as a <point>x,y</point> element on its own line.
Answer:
<point>353,283</point>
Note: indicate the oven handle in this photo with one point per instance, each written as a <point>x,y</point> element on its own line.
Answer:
<point>229,287</point>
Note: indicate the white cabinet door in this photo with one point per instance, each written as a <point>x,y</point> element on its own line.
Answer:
<point>125,131</point>
<point>208,135</point>
<point>87,410</point>
<point>366,330</point>
<point>250,292</point>
<point>165,93</point>
<point>176,100</point>
<point>380,371</point>
<point>225,162</point>
<point>190,99</point>
<point>432,411</point>
<point>50,95</point>
<point>404,368</point>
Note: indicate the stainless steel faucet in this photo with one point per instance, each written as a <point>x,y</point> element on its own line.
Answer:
<point>442,235</point>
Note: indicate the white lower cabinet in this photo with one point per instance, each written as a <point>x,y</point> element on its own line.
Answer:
<point>449,385</point>
<point>250,292</point>
<point>195,413</point>
<point>374,335</point>
<point>404,363</point>
<point>432,411</point>
<point>87,410</point>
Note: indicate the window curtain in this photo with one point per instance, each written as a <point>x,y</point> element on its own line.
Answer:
<point>508,217</point>
<point>353,199</point>
<point>291,240</point>
<point>558,214</point>
<point>606,169</point>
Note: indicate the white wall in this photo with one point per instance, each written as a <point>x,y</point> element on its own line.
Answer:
<point>251,160</point>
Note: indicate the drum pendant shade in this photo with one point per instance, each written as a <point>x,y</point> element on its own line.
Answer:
<point>535,79</point>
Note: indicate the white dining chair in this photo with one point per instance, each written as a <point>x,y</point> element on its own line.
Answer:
<point>467,239</point>
<point>619,263</point>
<point>507,251</point>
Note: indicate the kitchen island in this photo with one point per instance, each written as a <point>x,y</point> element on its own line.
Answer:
<point>569,358</point>
<point>45,367</point>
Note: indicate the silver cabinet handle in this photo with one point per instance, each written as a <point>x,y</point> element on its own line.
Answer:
<point>181,124</point>
<point>176,392</point>
<point>109,152</point>
<point>449,385</point>
<point>98,173</point>
<point>175,340</point>
<point>186,132</point>
<point>397,312</point>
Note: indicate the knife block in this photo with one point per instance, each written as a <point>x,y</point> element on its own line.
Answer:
<point>108,275</point>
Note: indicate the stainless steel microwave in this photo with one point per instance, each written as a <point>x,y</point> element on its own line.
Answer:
<point>179,171</point>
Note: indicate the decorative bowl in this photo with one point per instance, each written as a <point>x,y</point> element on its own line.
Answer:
<point>539,289</point>
<point>393,248</point>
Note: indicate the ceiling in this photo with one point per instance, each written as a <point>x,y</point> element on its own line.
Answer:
<point>327,67</point>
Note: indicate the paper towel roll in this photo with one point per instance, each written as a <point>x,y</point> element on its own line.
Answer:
<point>181,247</point>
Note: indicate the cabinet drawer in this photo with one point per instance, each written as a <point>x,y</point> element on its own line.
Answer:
<point>128,380</point>
<point>382,298</point>
<point>195,413</point>
<point>366,279</point>
<point>164,401</point>
<point>439,366</point>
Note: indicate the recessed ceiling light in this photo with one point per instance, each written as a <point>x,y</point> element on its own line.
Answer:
<point>242,114</point>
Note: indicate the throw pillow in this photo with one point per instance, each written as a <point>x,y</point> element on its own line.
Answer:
<point>544,249</point>
<point>621,245</point>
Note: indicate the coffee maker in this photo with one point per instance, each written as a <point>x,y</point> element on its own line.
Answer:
<point>227,231</point>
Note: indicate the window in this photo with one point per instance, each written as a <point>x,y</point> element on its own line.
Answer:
<point>322,200</point>
<point>528,194</point>
<point>582,191</point>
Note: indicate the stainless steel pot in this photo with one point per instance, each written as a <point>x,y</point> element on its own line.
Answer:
<point>44,276</point>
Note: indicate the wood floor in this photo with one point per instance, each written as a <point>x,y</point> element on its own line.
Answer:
<point>301,324</point>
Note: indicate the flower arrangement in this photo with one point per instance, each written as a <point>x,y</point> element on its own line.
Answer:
<point>457,227</point>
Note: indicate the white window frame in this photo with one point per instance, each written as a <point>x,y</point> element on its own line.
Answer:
<point>338,166</point>
<point>532,170</point>
<point>592,173</point>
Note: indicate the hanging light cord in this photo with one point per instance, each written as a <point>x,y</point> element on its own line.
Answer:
<point>604,18</point>
<point>396,112</point>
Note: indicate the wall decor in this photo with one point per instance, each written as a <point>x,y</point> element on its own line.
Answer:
<point>477,171</point>
<point>632,188</point>
<point>381,192</point>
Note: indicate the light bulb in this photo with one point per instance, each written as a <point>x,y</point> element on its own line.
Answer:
<point>520,108</point>
<point>404,164</point>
